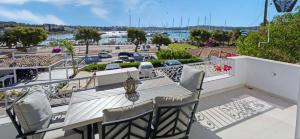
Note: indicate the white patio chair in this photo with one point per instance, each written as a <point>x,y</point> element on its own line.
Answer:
<point>32,116</point>
<point>173,116</point>
<point>132,122</point>
<point>192,79</point>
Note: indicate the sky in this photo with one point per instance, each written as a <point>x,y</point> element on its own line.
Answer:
<point>148,12</point>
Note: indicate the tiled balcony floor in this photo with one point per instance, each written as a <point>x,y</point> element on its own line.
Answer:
<point>244,114</point>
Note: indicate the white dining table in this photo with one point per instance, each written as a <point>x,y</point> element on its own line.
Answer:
<point>86,107</point>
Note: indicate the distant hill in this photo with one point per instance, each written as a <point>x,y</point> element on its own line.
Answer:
<point>66,28</point>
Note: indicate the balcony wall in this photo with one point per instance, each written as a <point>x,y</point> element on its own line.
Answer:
<point>277,78</point>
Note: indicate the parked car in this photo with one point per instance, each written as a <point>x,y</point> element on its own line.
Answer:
<point>146,70</point>
<point>138,57</point>
<point>117,47</point>
<point>128,54</point>
<point>117,61</point>
<point>144,48</point>
<point>126,58</point>
<point>148,57</point>
<point>56,50</point>
<point>104,55</point>
<point>171,63</point>
<point>91,59</point>
<point>112,66</point>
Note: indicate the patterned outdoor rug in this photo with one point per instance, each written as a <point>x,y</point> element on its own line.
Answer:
<point>221,116</point>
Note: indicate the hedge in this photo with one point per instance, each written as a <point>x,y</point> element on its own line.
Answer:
<point>173,54</point>
<point>128,65</point>
<point>159,62</point>
<point>99,67</point>
<point>95,67</point>
<point>156,63</point>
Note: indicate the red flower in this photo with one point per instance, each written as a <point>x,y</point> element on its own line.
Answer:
<point>231,54</point>
<point>218,68</point>
<point>227,67</point>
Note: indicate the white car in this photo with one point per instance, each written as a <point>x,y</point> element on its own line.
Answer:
<point>146,70</point>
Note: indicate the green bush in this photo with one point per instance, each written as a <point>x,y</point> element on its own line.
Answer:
<point>173,54</point>
<point>156,63</point>
<point>95,67</point>
<point>177,46</point>
<point>129,65</point>
<point>192,60</point>
<point>159,62</point>
<point>2,96</point>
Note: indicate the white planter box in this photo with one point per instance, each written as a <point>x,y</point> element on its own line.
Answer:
<point>115,76</point>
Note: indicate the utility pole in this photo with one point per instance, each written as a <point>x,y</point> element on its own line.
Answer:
<point>188,23</point>
<point>180,27</point>
<point>129,18</point>
<point>173,22</point>
<point>266,13</point>
<point>139,22</point>
<point>205,21</point>
<point>209,21</point>
<point>225,24</point>
<point>180,21</point>
<point>198,21</point>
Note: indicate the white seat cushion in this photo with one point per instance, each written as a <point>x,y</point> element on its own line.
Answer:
<point>124,113</point>
<point>191,78</point>
<point>34,111</point>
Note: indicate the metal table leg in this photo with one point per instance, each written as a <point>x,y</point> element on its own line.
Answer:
<point>90,132</point>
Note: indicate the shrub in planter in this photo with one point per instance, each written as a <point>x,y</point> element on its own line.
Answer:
<point>95,67</point>
<point>129,65</point>
<point>157,62</point>
<point>192,60</point>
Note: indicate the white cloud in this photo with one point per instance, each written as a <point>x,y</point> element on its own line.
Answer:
<point>55,2</point>
<point>95,6</point>
<point>20,2</point>
<point>138,5</point>
<point>99,12</point>
<point>28,16</point>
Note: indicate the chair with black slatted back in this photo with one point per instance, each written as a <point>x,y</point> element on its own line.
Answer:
<point>174,116</point>
<point>133,122</point>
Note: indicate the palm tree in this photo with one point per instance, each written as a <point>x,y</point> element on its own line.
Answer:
<point>69,48</point>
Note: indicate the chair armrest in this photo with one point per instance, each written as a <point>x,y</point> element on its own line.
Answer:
<point>39,131</point>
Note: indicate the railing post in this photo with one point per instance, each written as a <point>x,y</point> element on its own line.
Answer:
<point>50,78</point>
<point>66,62</point>
<point>297,134</point>
<point>15,76</point>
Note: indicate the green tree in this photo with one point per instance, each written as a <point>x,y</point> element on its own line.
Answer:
<point>218,35</point>
<point>71,51</point>
<point>284,44</point>
<point>136,36</point>
<point>161,39</point>
<point>87,35</point>
<point>1,38</point>
<point>28,36</point>
<point>221,36</point>
<point>199,35</point>
<point>234,35</point>
<point>11,37</point>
